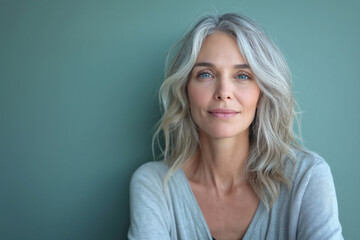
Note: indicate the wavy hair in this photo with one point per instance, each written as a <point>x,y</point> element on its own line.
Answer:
<point>272,140</point>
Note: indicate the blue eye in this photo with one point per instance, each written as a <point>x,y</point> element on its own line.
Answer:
<point>204,75</point>
<point>242,76</point>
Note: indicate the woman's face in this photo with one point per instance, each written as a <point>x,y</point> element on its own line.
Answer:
<point>222,91</point>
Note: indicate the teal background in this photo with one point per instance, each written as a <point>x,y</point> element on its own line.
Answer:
<point>78,102</point>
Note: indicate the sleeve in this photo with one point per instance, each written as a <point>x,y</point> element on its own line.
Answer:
<point>149,217</point>
<point>318,217</point>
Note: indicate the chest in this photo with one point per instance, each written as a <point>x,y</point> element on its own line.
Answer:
<point>228,217</point>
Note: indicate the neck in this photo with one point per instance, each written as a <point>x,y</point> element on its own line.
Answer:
<point>220,162</point>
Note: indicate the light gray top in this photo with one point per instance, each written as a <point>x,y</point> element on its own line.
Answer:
<point>308,211</point>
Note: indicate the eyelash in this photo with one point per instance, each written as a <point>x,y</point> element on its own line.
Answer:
<point>248,77</point>
<point>205,72</point>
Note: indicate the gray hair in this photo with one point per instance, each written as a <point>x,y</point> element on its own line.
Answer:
<point>272,141</point>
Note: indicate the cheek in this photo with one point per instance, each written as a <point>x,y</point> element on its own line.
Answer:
<point>250,99</point>
<point>196,96</point>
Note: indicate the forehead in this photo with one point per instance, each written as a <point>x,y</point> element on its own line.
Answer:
<point>220,47</point>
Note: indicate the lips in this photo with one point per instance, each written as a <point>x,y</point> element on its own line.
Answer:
<point>223,113</point>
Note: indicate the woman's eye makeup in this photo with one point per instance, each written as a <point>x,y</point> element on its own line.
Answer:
<point>243,76</point>
<point>240,76</point>
<point>204,75</point>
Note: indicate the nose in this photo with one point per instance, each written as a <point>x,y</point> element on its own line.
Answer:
<point>223,90</point>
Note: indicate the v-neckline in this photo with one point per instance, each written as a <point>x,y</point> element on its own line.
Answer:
<point>257,219</point>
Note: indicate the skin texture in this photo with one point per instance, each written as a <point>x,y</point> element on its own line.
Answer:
<point>223,96</point>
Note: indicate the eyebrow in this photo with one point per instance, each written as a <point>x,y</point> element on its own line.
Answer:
<point>207,64</point>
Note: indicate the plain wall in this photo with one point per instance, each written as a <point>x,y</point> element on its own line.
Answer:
<point>78,102</point>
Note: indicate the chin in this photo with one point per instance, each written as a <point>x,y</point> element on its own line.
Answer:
<point>225,133</point>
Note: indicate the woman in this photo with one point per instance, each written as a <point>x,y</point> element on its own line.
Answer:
<point>231,167</point>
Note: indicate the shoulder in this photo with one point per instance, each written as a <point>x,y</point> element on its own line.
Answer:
<point>314,198</point>
<point>309,163</point>
<point>150,172</point>
<point>311,176</point>
<point>149,212</point>
<point>308,158</point>
<point>155,169</point>
<point>146,189</point>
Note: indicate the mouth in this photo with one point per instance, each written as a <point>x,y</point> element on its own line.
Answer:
<point>223,113</point>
